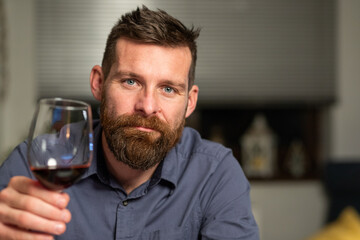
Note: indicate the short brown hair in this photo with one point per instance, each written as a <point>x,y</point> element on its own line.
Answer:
<point>153,27</point>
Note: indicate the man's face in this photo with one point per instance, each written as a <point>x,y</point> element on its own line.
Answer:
<point>145,100</point>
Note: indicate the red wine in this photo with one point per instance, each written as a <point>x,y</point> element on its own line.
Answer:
<point>59,178</point>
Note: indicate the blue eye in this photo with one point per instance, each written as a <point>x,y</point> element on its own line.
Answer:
<point>130,81</point>
<point>168,89</point>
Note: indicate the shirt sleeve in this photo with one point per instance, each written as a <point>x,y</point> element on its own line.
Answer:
<point>15,165</point>
<point>227,209</point>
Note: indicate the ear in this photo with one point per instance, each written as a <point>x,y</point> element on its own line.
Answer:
<point>192,100</point>
<point>96,82</point>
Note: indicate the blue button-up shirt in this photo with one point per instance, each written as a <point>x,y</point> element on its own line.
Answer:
<point>199,191</point>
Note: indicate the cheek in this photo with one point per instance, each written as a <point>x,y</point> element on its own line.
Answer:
<point>175,116</point>
<point>118,103</point>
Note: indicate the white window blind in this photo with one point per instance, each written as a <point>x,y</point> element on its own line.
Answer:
<point>249,51</point>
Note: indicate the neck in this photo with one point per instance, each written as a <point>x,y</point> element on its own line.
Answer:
<point>126,176</point>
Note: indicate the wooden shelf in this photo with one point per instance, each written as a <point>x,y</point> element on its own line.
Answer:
<point>290,123</point>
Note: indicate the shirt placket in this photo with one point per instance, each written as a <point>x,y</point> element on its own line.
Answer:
<point>125,221</point>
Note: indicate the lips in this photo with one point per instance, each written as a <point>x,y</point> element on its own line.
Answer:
<point>152,124</point>
<point>145,129</point>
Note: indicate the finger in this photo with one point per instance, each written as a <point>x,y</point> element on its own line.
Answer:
<point>26,220</point>
<point>31,187</point>
<point>34,205</point>
<point>11,232</point>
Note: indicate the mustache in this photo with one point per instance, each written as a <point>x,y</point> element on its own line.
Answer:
<point>136,120</point>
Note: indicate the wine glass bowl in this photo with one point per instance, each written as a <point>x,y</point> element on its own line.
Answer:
<point>60,142</point>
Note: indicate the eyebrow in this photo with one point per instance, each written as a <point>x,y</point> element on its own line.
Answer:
<point>182,86</point>
<point>129,74</point>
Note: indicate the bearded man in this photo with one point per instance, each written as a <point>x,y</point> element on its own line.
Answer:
<point>151,178</point>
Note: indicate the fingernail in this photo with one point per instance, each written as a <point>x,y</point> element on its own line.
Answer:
<point>59,228</point>
<point>61,202</point>
<point>65,216</point>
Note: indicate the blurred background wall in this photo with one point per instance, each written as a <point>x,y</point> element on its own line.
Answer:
<point>19,87</point>
<point>285,210</point>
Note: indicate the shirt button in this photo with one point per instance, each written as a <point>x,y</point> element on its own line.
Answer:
<point>125,203</point>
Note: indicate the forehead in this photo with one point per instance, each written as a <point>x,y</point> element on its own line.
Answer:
<point>126,46</point>
<point>132,50</point>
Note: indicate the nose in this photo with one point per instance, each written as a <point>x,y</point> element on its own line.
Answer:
<point>147,103</point>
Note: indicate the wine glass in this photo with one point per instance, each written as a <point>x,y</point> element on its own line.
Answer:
<point>60,142</point>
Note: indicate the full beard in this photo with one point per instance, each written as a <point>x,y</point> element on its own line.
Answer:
<point>138,149</point>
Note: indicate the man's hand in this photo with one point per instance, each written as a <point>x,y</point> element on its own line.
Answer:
<point>29,211</point>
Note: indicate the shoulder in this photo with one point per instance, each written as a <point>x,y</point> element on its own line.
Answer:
<point>216,168</point>
<point>204,156</point>
<point>212,158</point>
<point>192,143</point>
